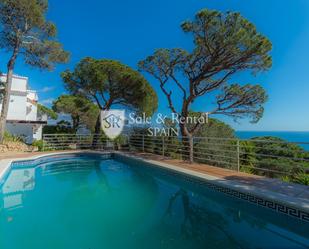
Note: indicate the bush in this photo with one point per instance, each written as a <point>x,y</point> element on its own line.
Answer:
<point>8,137</point>
<point>39,144</point>
<point>301,178</point>
<point>276,158</point>
<point>58,129</point>
<point>218,145</point>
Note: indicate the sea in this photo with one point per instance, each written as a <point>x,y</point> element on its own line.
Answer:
<point>300,137</point>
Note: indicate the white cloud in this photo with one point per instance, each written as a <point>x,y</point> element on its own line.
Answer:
<point>47,101</point>
<point>47,89</point>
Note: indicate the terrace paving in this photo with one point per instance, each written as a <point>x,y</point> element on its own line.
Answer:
<point>263,184</point>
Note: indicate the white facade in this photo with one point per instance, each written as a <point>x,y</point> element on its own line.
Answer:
<point>23,119</point>
<point>18,183</point>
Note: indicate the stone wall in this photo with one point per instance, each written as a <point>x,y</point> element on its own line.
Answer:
<point>16,147</point>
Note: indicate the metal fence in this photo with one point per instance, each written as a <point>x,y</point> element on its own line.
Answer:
<point>262,157</point>
<point>78,142</point>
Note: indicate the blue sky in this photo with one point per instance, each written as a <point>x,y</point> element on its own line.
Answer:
<point>130,30</point>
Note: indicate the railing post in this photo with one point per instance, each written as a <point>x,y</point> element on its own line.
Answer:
<point>191,145</point>
<point>143,142</point>
<point>78,142</point>
<point>43,141</point>
<point>163,145</point>
<point>129,142</point>
<point>238,152</point>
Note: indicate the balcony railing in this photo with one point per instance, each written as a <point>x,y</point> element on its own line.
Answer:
<point>261,157</point>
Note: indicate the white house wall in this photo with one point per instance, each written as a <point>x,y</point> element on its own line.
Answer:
<point>19,83</point>
<point>17,110</point>
<point>37,132</point>
<point>31,112</point>
<point>22,110</point>
<point>32,109</point>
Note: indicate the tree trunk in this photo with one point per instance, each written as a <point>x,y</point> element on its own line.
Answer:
<point>96,132</point>
<point>7,90</point>
<point>75,121</point>
<point>5,104</point>
<point>187,140</point>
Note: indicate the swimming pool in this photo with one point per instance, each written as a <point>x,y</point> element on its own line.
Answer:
<point>94,201</point>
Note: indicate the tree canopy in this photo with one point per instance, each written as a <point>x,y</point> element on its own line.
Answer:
<point>213,129</point>
<point>224,44</point>
<point>274,153</point>
<point>110,82</point>
<point>82,110</point>
<point>215,144</point>
<point>25,32</point>
<point>43,110</point>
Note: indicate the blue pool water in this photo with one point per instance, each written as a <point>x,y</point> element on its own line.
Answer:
<point>90,202</point>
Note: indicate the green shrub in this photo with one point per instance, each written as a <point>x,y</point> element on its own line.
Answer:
<point>277,156</point>
<point>39,144</point>
<point>58,129</point>
<point>120,141</point>
<point>301,178</point>
<point>247,170</point>
<point>286,179</point>
<point>8,137</point>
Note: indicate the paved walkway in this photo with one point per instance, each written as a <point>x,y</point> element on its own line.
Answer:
<point>14,155</point>
<point>264,184</point>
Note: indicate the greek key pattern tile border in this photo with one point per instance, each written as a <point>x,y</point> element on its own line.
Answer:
<point>275,206</point>
<point>296,213</point>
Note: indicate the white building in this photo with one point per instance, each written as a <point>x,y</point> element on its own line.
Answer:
<point>16,186</point>
<point>23,119</point>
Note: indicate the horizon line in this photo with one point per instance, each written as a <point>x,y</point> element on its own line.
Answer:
<point>274,130</point>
